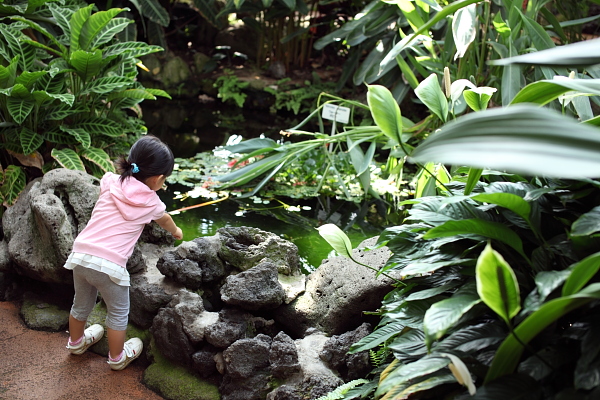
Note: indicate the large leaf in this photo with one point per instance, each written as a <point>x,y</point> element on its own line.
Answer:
<point>582,272</point>
<point>100,126</point>
<point>543,92</point>
<point>488,229</point>
<point>497,284</point>
<point>19,109</point>
<point>132,49</point>
<point>87,64</point>
<point>407,373</point>
<point>76,23</point>
<point>156,13</point>
<point>507,200</point>
<point>509,353</point>
<point>30,140</point>
<point>587,224</point>
<point>444,314</point>
<point>336,239</point>
<point>61,16</point>
<point>24,51</point>
<point>82,136</point>
<point>430,93</point>
<point>67,158</point>
<point>107,84</point>
<point>99,157</point>
<point>464,29</point>
<point>375,338</point>
<point>94,25</point>
<point>385,111</point>
<point>13,184</point>
<point>114,27</point>
<point>572,55</point>
<point>520,139</point>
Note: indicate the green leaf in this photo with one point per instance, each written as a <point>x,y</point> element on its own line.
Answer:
<point>582,272</point>
<point>385,111</point>
<point>375,338</point>
<point>156,13</point>
<point>430,93</point>
<point>132,49</point>
<point>509,353</point>
<point>30,140</point>
<point>336,239</point>
<point>8,75</point>
<point>106,84</point>
<point>587,223</point>
<point>113,28</point>
<point>408,372</point>
<point>24,51</point>
<point>497,284</point>
<point>64,110</point>
<point>464,29</point>
<point>94,25</point>
<point>478,98</point>
<point>545,91</point>
<point>139,94</point>
<point>538,35</point>
<point>444,314</point>
<point>511,201</point>
<point>251,171</point>
<point>13,184</point>
<point>61,16</point>
<point>158,92</point>
<point>99,157</point>
<point>59,137</point>
<point>100,126</point>
<point>472,179</point>
<point>67,158</point>
<point>87,64</point>
<point>19,109</point>
<point>520,139</point>
<point>76,23</point>
<point>488,229</point>
<point>81,135</point>
<point>251,145</point>
<point>572,55</point>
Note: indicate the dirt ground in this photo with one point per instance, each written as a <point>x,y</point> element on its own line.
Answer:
<point>35,365</point>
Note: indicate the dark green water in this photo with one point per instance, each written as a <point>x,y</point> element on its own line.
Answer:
<point>297,227</point>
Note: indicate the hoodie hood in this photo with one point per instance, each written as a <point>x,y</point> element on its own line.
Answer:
<point>133,198</point>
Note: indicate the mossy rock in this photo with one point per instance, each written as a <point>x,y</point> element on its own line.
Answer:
<point>98,316</point>
<point>174,382</point>
<point>41,315</point>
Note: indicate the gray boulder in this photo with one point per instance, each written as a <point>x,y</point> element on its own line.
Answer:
<point>254,289</point>
<point>337,293</point>
<point>245,247</point>
<point>232,325</point>
<point>335,354</point>
<point>41,315</point>
<point>283,356</point>
<point>40,227</point>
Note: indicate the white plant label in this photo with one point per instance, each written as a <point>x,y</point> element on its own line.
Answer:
<point>336,113</point>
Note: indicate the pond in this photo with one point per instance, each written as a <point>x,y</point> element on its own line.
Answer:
<point>190,128</point>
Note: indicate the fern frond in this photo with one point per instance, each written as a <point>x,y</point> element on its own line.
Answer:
<point>340,391</point>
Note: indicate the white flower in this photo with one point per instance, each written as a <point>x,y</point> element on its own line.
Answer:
<point>461,373</point>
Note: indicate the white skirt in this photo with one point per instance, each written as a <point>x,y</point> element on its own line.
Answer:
<point>117,274</point>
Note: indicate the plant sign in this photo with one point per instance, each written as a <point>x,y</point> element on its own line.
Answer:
<point>336,113</point>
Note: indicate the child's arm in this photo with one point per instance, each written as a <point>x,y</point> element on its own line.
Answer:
<point>166,222</point>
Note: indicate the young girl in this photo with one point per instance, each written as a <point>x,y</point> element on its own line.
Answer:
<point>100,252</point>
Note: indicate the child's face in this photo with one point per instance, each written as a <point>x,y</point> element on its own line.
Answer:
<point>156,182</point>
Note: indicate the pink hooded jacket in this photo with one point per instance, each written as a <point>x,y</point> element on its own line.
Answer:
<point>118,219</point>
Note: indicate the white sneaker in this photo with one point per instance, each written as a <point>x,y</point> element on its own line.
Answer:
<point>132,349</point>
<point>90,336</point>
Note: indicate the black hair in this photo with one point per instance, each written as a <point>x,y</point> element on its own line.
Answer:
<point>151,157</point>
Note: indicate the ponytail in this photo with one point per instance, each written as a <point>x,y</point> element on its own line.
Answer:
<point>148,156</point>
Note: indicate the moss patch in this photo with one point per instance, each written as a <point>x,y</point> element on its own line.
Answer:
<point>43,316</point>
<point>174,382</point>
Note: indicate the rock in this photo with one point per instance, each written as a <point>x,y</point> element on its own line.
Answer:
<point>41,315</point>
<point>5,264</point>
<point>254,289</point>
<point>247,357</point>
<point>40,227</point>
<point>176,330</point>
<point>231,326</point>
<point>145,301</point>
<point>283,356</point>
<point>245,247</point>
<point>337,293</point>
<point>205,362</point>
<point>174,72</point>
<point>194,263</point>
<point>255,387</point>
<point>335,354</point>
<point>276,70</point>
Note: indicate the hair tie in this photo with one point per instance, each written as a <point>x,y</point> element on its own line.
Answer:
<point>135,168</point>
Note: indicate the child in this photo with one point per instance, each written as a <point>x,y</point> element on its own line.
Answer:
<point>100,252</point>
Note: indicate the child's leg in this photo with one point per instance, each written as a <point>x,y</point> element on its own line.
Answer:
<point>117,306</point>
<point>76,328</point>
<point>83,303</point>
<point>116,340</point>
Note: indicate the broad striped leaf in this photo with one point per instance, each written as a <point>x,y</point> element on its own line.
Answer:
<point>158,92</point>
<point>133,49</point>
<point>155,12</point>
<point>519,139</point>
<point>377,337</point>
<point>28,79</point>
<point>113,28</point>
<point>64,110</point>
<point>86,64</point>
<point>67,158</point>
<point>140,94</point>
<point>50,37</point>
<point>13,184</point>
<point>24,51</point>
<point>59,137</point>
<point>62,16</point>
<point>8,75</point>
<point>106,84</point>
<point>99,157</point>
<point>78,19</point>
<point>19,109</point>
<point>81,135</point>
<point>42,96</point>
<point>96,24</point>
<point>30,140</point>
<point>100,126</point>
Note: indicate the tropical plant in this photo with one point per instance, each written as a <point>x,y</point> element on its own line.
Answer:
<point>527,225</point>
<point>68,90</point>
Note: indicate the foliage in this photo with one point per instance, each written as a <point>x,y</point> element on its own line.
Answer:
<point>295,97</point>
<point>500,266</point>
<point>69,95</point>
<point>231,88</point>
<point>404,40</point>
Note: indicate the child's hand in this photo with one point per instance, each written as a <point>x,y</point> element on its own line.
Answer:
<point>178,234</point>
